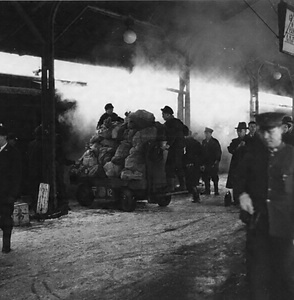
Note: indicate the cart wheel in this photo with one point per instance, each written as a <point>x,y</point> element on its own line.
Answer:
<point>164,200</point>
<point>127,200</point>
<point>84,194</point>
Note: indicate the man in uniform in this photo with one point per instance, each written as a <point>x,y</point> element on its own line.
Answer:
<point>174,131</point>
<point>212,152</point>
<point>265,183</point>
<point>10,181</point>
<point>109,114</point>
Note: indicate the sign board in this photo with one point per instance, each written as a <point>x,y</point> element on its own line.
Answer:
<point>286,28</point>
<point>43,198</point>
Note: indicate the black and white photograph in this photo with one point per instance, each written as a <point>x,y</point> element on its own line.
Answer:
<point>147,150</point>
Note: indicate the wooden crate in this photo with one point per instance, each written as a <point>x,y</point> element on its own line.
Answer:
<point>21,214</point>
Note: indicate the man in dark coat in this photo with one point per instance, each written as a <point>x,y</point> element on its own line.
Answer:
<point>212,152</point>
<point>237,148</point>
<point>174,132</point>
<point>10,181</point>
<point>288,136</point>
<point>109,114</point>
<point>265,183</point>
<point>192,161</point>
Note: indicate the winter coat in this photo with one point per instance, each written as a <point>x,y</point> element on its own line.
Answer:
<point>268,178</point>
<point>10,178</point>
<point>114,118</point>
<point>212,152</point>
<point>238,150</point>
<point>174,132</point>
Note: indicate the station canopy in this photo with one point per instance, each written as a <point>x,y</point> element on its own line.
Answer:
<point>227,38</point>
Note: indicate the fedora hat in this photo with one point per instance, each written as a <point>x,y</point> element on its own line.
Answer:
<point>241,125</point>
<point>167,110</point>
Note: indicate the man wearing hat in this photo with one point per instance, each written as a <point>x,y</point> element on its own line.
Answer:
<point>10,180</point>
<point>109,114</point>
<point>288,136</point>
<point>174,132</point>
<point>265,183</point>
<point>212,152</point>
<point>238,149</point>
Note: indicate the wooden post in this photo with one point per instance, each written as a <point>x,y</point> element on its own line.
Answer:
<point>180,114</point>
<point>187,98</point>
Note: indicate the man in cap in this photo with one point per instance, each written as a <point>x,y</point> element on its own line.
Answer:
<point>238,149</point>
<point>265,183</point>
<point>288,136</point>
<point>10,180</point>
<point>174,132</point>
<point>109,114</point>
<point>212,152</point>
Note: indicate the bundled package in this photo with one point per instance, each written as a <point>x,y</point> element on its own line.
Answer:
<point>121,153</point>
<point>141,119</point>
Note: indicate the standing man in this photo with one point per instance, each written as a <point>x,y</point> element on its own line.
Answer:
<point>265,184</point>
<point>174,132</point>
<point>288,136</point>
<point>192,160</point>
<point>212,152</point>
<point>109,114</point>
<point>10,181</point>
<point>238,149</point>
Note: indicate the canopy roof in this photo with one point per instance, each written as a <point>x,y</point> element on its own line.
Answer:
<point>219,37</point>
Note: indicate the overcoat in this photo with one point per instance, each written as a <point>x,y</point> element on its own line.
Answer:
<point>238,150</point>
<point>10,178</point>
<point>268,177</point>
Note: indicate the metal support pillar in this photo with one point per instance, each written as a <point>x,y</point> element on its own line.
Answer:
<point>48,110</point>
<point>184,96</point>
<point>254,101</point>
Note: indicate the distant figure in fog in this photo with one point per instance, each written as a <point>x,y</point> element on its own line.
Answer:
<point>237,148</point>
<point>192,161</point>
<point>109,114</point>
<point>265,183</point>
<point>212,152</point>
<point>288,136</point>
<point>10,181</point>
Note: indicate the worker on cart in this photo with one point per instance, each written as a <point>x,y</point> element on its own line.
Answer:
<point>109,114</point>
<point>174,132</point>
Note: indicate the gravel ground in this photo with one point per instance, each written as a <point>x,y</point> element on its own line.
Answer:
<point>183,251</point>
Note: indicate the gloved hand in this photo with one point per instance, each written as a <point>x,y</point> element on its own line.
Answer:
<point>246,203</point>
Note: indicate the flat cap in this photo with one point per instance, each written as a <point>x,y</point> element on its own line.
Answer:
<point>269,120</point>
<point>108,106</point>
<point>167,110</point>
<point>207,129</point>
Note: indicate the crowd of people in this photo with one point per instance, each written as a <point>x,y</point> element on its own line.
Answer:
<point>261,178</point>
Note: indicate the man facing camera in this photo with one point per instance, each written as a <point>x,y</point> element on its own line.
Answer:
<point>265,183</point>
